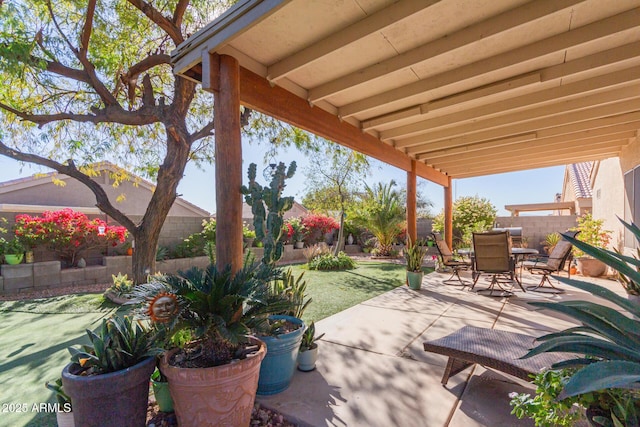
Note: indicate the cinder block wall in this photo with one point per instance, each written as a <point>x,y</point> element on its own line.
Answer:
<point>536,228</point>
<point>174,231</point>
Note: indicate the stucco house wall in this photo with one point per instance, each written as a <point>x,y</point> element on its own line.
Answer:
<point>609,198</point>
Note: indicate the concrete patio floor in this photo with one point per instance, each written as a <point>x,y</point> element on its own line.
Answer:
<point>373,371</point>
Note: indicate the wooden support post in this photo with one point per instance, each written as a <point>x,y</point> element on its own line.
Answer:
<point>448,215</point>
<point>412,226</point>
<point>228,152</point>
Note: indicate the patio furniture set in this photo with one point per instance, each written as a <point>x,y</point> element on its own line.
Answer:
<point>493,255</point>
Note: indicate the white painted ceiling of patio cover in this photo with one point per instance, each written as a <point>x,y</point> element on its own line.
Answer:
<point>468,87</point>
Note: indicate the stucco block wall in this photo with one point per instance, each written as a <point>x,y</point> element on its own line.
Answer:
<point>536,228</point>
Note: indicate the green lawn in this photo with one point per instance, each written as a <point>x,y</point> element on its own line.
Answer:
<point>34,334</point>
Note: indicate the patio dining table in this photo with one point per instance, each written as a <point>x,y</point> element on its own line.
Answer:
<point>518,255</point>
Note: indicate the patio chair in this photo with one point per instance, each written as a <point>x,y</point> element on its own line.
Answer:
<point>546,265</point>
<point>492,256</point>
<point>491,348</point>
<point>450,260</point>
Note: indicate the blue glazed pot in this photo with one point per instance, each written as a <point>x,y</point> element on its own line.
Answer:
<point>279,364</point>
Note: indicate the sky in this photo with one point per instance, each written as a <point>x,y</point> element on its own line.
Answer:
<point>197,186</point>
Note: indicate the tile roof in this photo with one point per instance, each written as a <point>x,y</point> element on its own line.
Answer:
<point>580,176</point>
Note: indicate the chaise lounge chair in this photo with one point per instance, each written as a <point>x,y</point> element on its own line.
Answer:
<point>491,348</point>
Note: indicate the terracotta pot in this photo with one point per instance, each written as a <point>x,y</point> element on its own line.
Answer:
<point>117,399</point>
<point>591,267</point>
<point>217,396</point>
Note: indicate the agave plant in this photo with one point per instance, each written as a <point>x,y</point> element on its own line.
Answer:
<point>119,344</point>
<point>608,340</point>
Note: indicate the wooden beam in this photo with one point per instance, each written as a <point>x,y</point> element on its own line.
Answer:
<point>356,31</point>
<point>558,43</point>
<point>504,167</point>
<point>548,99</point>
<point>481,30</point>
<point>412,225</point>
<point>506,144</point>
<point>448,214</point>
<point>553,111</point>
<point>533,207</point>
<point>459,98</point>
<point>228,152</point>
<point>609,145</point>
<point>537,149</point>
<point>559,123</point>
<point>257,93</point>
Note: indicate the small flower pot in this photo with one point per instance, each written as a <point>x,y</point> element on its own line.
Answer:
<point>162,395</point>
<point>591,267</point>
<point>414,280</point>
<point>13,259</point>
<point>307,359</point>
<point>299,245</point>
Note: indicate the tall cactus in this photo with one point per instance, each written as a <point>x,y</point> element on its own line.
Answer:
<point>268,208</point>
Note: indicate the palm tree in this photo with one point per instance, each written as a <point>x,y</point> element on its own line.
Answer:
<point>382,212</point>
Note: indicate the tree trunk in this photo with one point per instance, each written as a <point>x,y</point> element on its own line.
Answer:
<point>340,244</point>
<point>144,254</point>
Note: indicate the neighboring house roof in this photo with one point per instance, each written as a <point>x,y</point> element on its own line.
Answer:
<point>580,176</point>
<point>46,178</point>
<point>296,211</point>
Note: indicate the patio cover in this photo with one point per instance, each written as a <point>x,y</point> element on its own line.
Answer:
<point>441,89</point>
<point>466,88</point>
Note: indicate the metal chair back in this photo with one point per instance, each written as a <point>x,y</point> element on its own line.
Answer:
<point>492,252</point>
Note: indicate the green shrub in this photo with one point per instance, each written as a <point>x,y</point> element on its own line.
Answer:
<point>470,214</point>
<point>331,262</point>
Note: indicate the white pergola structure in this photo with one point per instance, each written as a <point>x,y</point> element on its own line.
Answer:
<point>441,89</point>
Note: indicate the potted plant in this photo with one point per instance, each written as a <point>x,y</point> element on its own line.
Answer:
<point>108,379</point>
<point>550,241</point>
<point>64,416</point>
<point>13,251</point>
<point>160,387</point>
<point>414,253</point>
<point>592,233</point>
<point>119,292</point>
<point>299,232</point>
<point>308,354</point>
<point>248,236</point>
<point>282,333</point>
<point>205,317</point>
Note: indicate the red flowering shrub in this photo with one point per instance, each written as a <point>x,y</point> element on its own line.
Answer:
<point>68,233</point>
<point>317,226</point>
<point>287,233</point>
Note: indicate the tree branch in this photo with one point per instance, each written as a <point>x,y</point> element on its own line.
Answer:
<point>102,200</point>
<point>207,130</point>
<point>178,14</point>
<point>131,77</point>
<point>155,16</point>
<point>87,28</point>
<point>108,115</point>
<point>97,84</point>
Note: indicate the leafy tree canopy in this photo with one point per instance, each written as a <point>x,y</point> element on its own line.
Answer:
<point>470,214</point>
